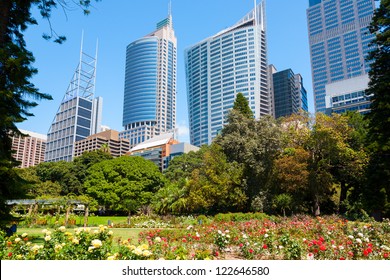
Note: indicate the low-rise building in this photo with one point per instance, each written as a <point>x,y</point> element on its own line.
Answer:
<point>108,139</point>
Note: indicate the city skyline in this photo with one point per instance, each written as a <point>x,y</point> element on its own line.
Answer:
<point>286,24</point>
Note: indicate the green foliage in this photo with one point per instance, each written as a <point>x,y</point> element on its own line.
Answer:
<point>124,183</point>
<point>377,191</point>
<point>253,144</point>
<point>241,105</point>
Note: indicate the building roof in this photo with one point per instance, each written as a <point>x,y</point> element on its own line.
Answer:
<point>34,134</point>
<point>155,141</point>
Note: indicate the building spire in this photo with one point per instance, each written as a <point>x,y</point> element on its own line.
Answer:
<point>170,8</point>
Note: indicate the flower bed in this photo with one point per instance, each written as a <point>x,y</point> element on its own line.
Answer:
<point>297,238</point>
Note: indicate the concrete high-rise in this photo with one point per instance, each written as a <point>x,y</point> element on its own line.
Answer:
<point>339,42</point>
<point>219,67</point>
<point>30,149</point>
<point>149,107</point>
<point>79,114</point>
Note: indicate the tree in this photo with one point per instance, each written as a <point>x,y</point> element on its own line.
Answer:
<point>378,172</point>
<point>241,105</point>
<point>254,144</point>
<point>17,94</point>
<point>124,183</point>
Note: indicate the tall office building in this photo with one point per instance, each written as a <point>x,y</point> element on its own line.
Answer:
<point>149,107</point>
<point>29,149</point>
<point>339,42</point>
<point>79,114</point>
<point>219,67</point>
<point>289,94</point>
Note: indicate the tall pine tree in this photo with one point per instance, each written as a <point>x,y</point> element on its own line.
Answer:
<point>377,193</point>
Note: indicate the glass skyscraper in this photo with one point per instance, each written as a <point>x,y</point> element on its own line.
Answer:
<point>219,67</point>
<point>79,114</point>
<point>339,42</point>
<point>149,107</point>
<point>289,94</point>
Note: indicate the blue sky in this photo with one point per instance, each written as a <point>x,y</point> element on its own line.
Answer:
<point>116,23</point>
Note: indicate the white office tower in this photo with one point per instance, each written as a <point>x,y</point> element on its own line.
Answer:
<point>219,67</point>
<point>79,114</point>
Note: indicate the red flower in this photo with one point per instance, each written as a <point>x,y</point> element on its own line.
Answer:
<point>321,239</point>
<point>385,255</point>
<point>251,251</point>
<point>342,258</point>
<point>369,250</point>
<point>350,253</point>
<point>265,246</point>
<point>241,245</point>
<point>10,254</point>
<point>216,254</point>
<point>184,240</point>
<point>322,248</point>
<point>365,252</point>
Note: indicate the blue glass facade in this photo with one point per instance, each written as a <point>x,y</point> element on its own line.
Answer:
<point>339,42</point>
<point>232,61</point>
<point>140,81</point>
<point>149,107</point>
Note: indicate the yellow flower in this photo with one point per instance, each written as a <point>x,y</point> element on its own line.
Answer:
<point>146,253</point>
<point>24,235</point>
<point>90,248</point>
<point>47,238</point>
<point>44,230</point>
<point>75,241</point>
<point>57,247</point>
<point>17,239</point>
<point>62,228</point>
<point>110,232</point>
<point>125,242</point>
<point>111,258</point>
<point>131,247</point>
<point>144,247</point>
<point>96,243</point>
<point>137,251</point>
<point>68,233</point>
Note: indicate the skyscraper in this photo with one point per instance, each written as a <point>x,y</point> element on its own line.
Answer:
<point>149,107</point>
<point>29,149</point>
<point>79,114</point>
<point>289,94</point>
<point>217,68</point>
<point>339,42</point>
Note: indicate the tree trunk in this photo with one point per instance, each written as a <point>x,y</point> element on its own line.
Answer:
<point>67,215</point>
<point>30,209</point>
<point>128,217</point>
<point>316,207</point>
<point>343,196</point>
<point>86,213</point>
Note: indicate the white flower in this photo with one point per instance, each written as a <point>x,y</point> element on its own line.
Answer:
<point>266,235</point>
<point>157,239</point>
<point>227,235</point>
<point>197,235</point>
<point>96,243</point>
<point>366,239</point>
<point>47,238</point>
<point>17,239</point>
<point>95,231</point>
<point>110,232</point>
<point>244,236</point>
<point>24,235</point>
<point>303,239</point>
<point>44,230</point>
<point>227,231</point>
<point>219,232</point>
<point>310,256</point>
<point>189,227</point>
<point>90,248</point>
<point>57,247</point>
<point>62,228</point>
<point>281,247</point>
<point>341,247</point>
<point>360,234</point>
<point>350,237</point>
<point>358,240</point>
